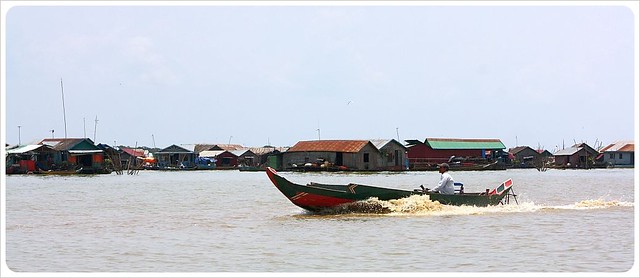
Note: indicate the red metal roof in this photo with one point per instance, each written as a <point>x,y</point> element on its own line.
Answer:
<point>621,146</point>
<point>345,146</point>
<point>627,148</point>
<point>134,152</point>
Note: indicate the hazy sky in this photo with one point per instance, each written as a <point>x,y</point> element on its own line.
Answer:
<point>278,74</point>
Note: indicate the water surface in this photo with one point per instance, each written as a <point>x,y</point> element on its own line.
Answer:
<point>228,221</point>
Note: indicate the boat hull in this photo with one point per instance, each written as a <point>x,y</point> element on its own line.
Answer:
<point>317,196</point>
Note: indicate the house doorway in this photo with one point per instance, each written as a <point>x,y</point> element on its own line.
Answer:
<point>85,160</point>
<point>339,159</point>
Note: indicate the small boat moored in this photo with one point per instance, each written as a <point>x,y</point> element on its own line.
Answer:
<point>317,197</point>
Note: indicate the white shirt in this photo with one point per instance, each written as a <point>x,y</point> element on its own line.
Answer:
<point>445,186</point>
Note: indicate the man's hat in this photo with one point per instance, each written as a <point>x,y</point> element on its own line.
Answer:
<point>445,165</point>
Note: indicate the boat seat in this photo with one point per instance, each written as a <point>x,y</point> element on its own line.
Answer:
<point>458,188</point>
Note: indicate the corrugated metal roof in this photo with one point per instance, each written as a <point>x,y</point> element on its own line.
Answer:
<point>266,150</point>
<point>26,148</point>
<point>189,147</point>
<point>228,147</point>
<point>621,146</point>
<point>628,148</point>
<point>60,143</point>
<point>576,148</point>
<point>241,152</point>
<point>521,148</point>
<point>345,146</point>
<point>457,144</point>
<point>568,151</point>
<point>174,149</point>
<point>198,148</point>
<point>64,144</point>
<point>210,153</point>
<point>134,152</point>
<point>202,147</point>
<point>380,143</point>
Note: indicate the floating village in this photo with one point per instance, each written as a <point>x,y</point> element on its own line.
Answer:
<point>83,156</point>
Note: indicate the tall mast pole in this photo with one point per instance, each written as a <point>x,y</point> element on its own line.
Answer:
<point>64,111</point>
<point>95,127</point>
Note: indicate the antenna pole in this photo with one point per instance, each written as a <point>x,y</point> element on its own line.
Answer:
<point>64,111</point>
<point>95,127</point>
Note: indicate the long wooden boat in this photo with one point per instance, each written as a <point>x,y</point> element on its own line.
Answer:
<point>318,197</point>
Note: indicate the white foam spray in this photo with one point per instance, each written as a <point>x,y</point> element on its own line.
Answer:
<point>422,205</point>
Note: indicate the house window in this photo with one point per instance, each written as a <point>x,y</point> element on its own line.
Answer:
<point>620,156</point>
<point>611,156</point>
<point>389,157</point>
<point>226,161</point>
<point>366,157</point>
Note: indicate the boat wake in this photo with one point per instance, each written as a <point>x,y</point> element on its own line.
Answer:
<point>592,204</point>
<point>411,204</point>
<point>422,205</point>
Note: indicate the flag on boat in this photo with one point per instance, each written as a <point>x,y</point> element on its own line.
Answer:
<point>504,186</point>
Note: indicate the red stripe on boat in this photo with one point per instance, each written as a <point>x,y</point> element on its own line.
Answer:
<point>508,183</point>
<point>271,172</point>
<point>318,201</point>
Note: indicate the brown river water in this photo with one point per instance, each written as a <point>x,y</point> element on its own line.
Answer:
<point>211,223</point>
